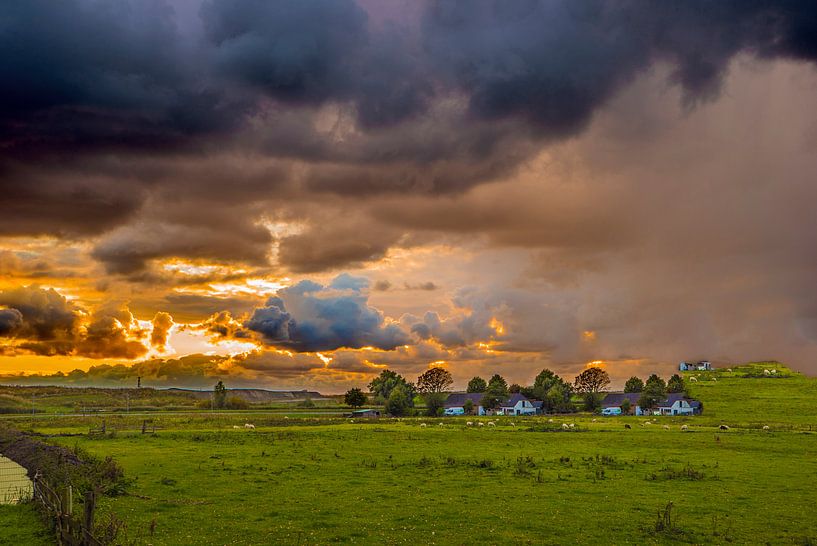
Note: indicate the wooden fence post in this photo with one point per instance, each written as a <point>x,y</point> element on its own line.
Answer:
<point>88,520</point>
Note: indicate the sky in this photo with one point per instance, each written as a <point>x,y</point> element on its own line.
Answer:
<point>302,194</point>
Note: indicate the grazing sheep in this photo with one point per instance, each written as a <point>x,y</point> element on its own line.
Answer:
<point>714,379</point>
<point>572,425</point>
<point>513,424</point>
<point>286,417</point>
<point>765,427</point>
<point>469,424</point>
<point>594,420</point>
<point>565,427</point>
<point>647,423</point>
<point>628,427</point>
<point>729,370</point>
<point>666,427</point>
<point>422,424</point>
<point>684,427</point>
<point>441,425</point>
<point>773,372</point>
<point>694,379</point>
<point>724,427</point>
<point>550,420</point>
<point>491,424</point>
<point>249,425</point>
<point>767,372</point>
<point>236,426</point>
<point>481,424</point>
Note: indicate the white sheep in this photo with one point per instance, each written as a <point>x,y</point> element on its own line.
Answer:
<point>441,425</point>
<point>236,426</point>
<point>773,372</point>
<point>422,424</point>
<point>249,425</point>
<point>469,424</point>
<point>491,424</point>
<point>647,423</point>
<point>513,424</point>
<point>572,425</point>
<point>684,427</point>
<point>767,372</point>
<point>565,427</point>
<point>724,427</point>
<point>729,370</point>
<point>594,420</point>
<point>714,379</point>
<point>481,424</point>
<point>666,427</point>
<point>765,427</point>
<point>550,420</point>
<point>286,417</point>
<point>693,379</point>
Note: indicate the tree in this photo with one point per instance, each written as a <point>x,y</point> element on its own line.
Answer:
<point>634,384</point>
<point>219,395</point>
<point>496,393</point>
<point>477,384</point>
<point>383,385</point>
<point>435,403</point>
<point>626,406</point>
<point>654,391</point>
<point>675,384</point>
<point>468,407</point>
<point>355,398</point>
<point>399,401</point>
<point>558,400</point>
<point>592,401</point>
<point>515,388</point>
<point>591,380</point>
<point>434,380</point>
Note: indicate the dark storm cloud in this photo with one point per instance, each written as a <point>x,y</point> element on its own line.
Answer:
<point>312,317</point>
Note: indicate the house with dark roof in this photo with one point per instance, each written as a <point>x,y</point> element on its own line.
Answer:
<point>701,366</point>
<point>455,403</point>
<point>673,404</point>
<point>517,404</point>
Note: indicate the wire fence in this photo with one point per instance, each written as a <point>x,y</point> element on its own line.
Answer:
<point>15,486</point>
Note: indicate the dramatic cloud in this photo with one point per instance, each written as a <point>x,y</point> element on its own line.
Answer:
<point>312,317</point>
<point>583,180</point>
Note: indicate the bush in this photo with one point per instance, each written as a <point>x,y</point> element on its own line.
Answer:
<point>236,402</point>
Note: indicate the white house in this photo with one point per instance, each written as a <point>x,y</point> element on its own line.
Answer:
<point>702,366</point>
<point>674,404</point>
<point>517,404</point>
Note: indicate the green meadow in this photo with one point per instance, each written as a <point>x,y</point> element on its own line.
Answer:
<point>318,480</point>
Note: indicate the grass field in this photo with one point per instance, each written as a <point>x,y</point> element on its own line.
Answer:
<point>314,480</point>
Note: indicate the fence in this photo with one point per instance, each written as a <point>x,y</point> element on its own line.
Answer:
<point>70,530</point>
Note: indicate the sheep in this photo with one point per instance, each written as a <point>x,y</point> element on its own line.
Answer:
<point>351,420</point>
<point>481,424</point>
<point>286,417</point>
<point>565,427</point>
<point>572,425</point>
<point>422,424</point>
<point>441,425</point>
<point>647,423</point>
<point>773,372</point>
<point>594,420</point>
<point>469,424</point>
<point>724,427</point>
<point>550,420</point>
<point>693,379</point>
<point>714,379</point>
<point>236,426</point>
<point>767,372</point>
<point>491,424</point>
<point>729,370</point>
<point>666,427</point>
<point>765,427</point>
<point>513,424</point>
<point>628,427</point>
<point>684,427</point>
<point>249,425</point>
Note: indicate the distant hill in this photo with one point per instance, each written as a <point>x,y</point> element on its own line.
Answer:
<point>254,396</point>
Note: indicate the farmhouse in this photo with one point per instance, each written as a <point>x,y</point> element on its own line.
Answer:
<point>517,404</point>
<point>673,404</point>
<point>366,413</point>
<point>455,403</point>
<point>701,366</point>
<point>614,400</point>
